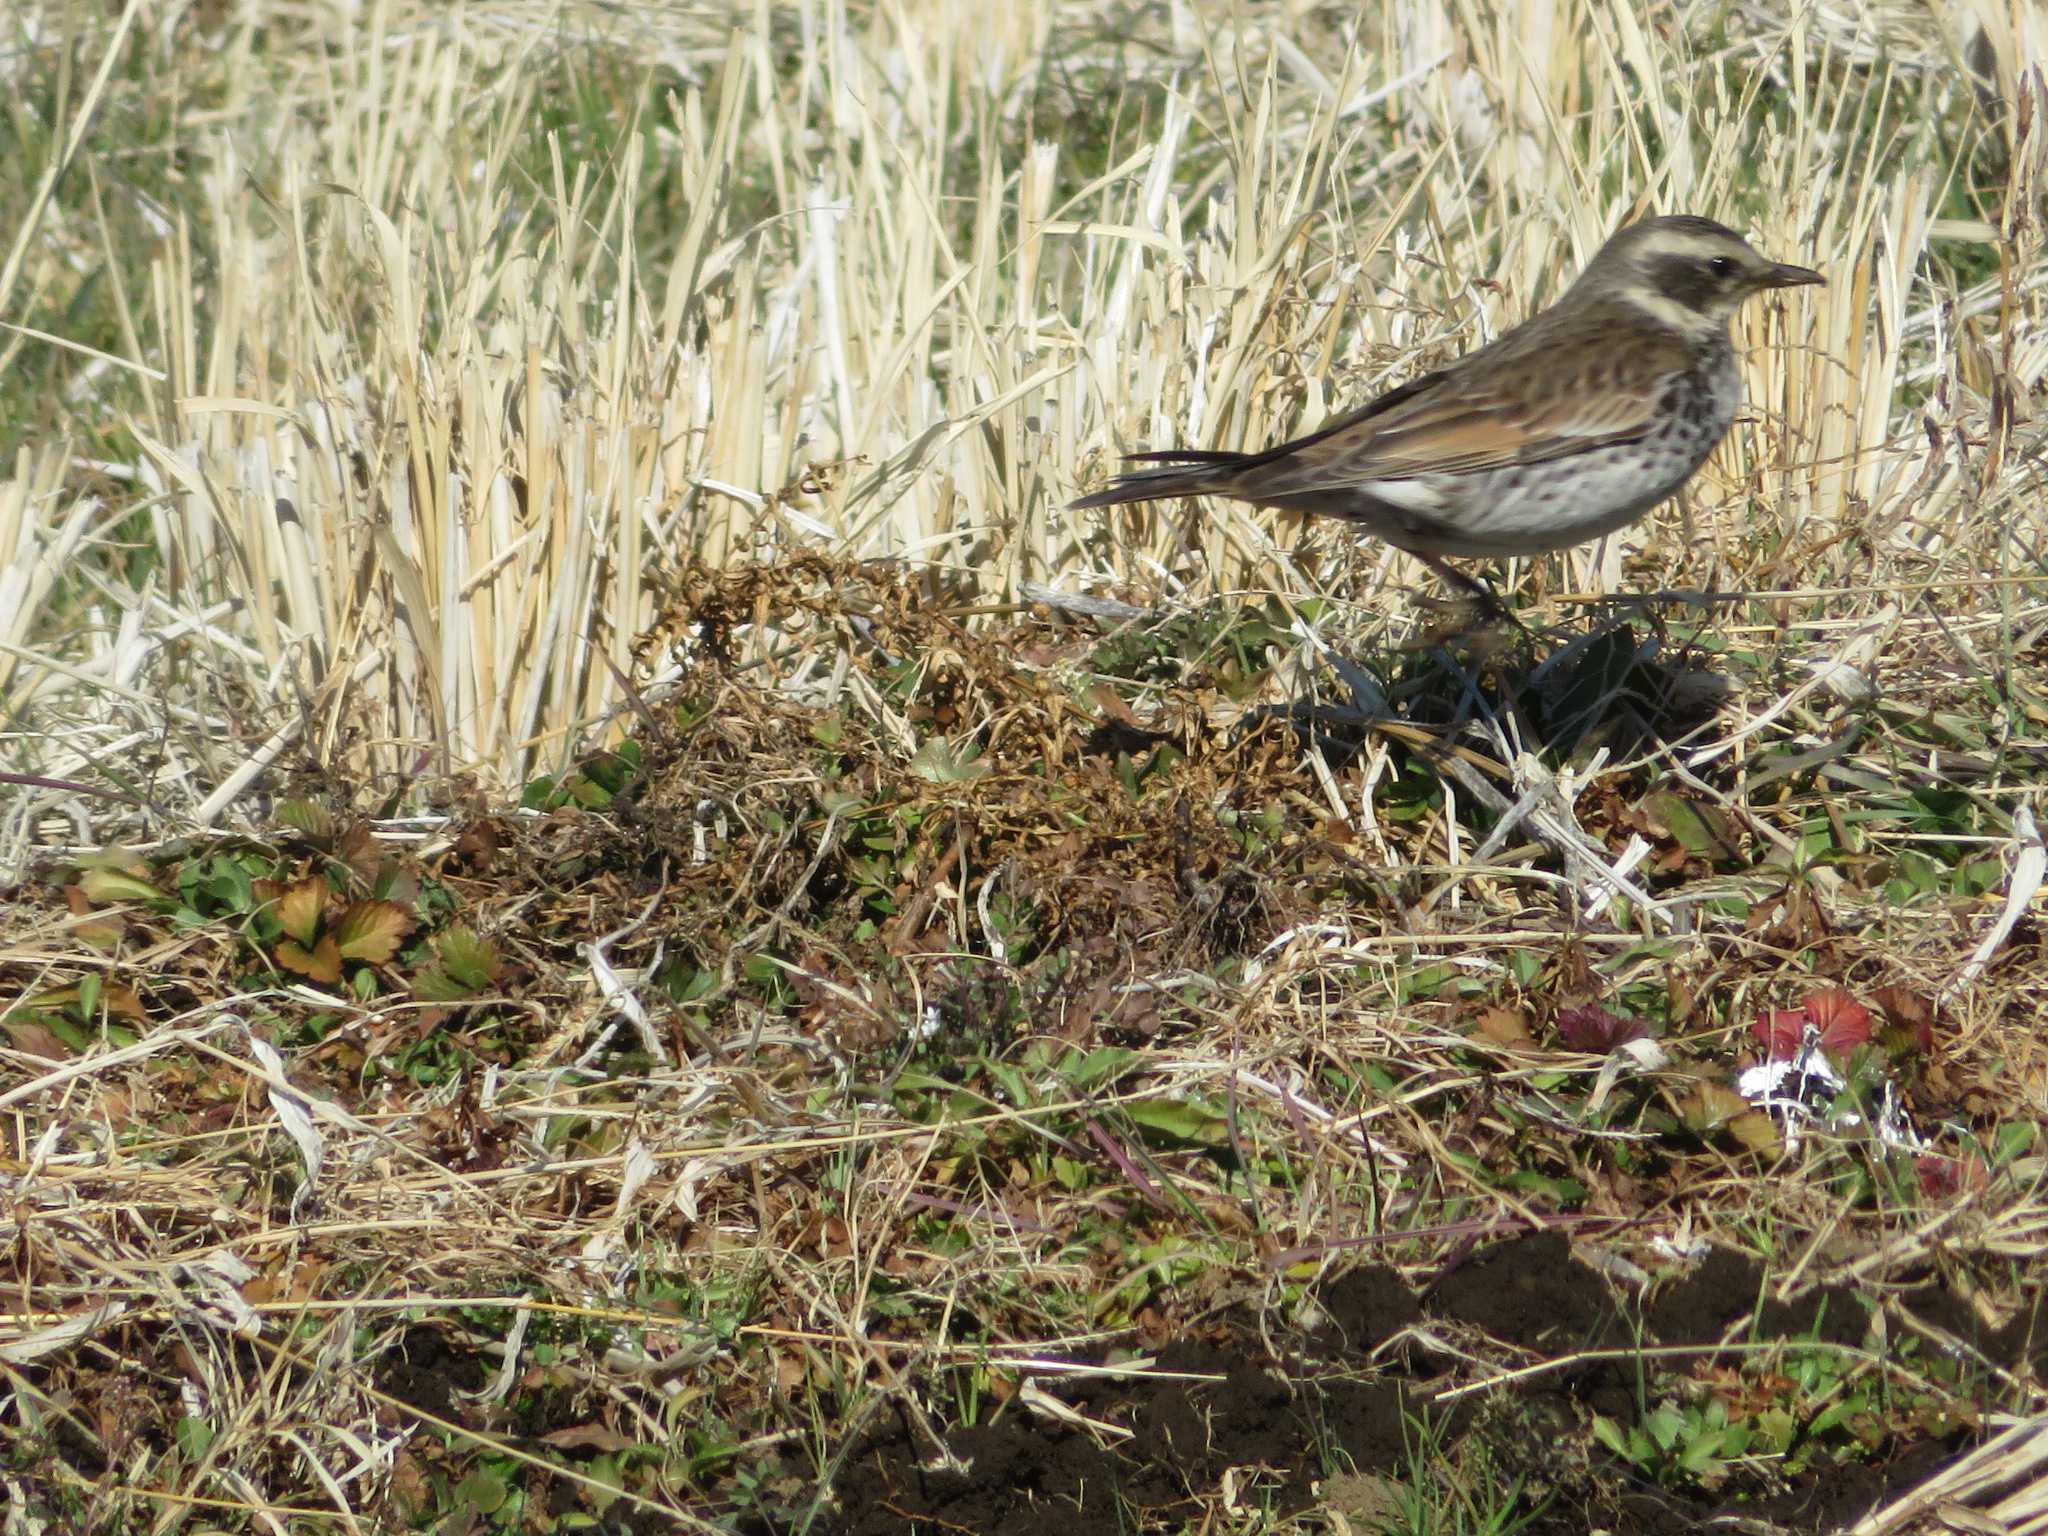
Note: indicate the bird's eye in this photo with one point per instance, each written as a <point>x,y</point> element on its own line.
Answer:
<point>1722,266</point>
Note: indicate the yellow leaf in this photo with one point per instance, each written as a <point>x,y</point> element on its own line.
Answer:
<point>107,886</point>
<point>100,933</point>
<point>371,930</point>
<point>1758,1132</point>
<point>1710,1106</point>
<point>299,908</point>
<point>322,965</point>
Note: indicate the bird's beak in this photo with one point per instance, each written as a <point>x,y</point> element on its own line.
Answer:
<point>1785,275</point>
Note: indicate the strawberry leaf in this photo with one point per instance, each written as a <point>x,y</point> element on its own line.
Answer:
<point>1944,1178</point>
<point>300,906</point>
<point>322,964</point>
<point>1758,1132</point>
<point>1912,1020</point>
<point>1781,1031</point>
<point>471,960</point>
<point>1594,1029</point>
<point>1843,1022</point>
<point>1711,1106</point>
<point>370,931</point>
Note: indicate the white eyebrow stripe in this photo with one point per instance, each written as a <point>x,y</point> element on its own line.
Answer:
<point>1679,242</point>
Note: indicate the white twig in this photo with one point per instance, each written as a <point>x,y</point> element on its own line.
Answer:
<point>2029,865</point>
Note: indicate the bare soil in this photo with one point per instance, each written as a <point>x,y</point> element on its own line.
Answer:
<point>1287,1413</point>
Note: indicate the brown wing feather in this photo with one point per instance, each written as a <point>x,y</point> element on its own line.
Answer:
<point>1505,405</point>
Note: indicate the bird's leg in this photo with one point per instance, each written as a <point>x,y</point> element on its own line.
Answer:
<point>1489,600</point>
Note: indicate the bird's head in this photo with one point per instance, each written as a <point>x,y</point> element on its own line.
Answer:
<point>1688,273</point>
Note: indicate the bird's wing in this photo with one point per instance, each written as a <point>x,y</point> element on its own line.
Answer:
<point>1484,412</point>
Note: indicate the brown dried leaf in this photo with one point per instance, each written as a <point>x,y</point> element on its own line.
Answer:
<point>1106,699</point>
<point>1789,919</point>
<point>123,1000</point>
<point>358,849</point>
<point>1912,1019</point>
<point>790,1371</point>
<point>34,1039</point>
<point>1506,1026</point>
<point>588,1437</point>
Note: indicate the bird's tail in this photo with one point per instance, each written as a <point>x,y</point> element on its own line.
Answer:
<point>1188,472</point>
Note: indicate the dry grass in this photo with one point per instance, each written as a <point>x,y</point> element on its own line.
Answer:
<point>412,401</point>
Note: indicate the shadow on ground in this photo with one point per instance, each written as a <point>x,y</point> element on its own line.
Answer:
<point>1341,1412</point>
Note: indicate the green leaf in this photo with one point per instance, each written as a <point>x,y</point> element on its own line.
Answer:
<point>1609,1434</point>
<point>1183,1121</point>
<point>316,821</point>
<point>1013,1084</point>
<point>1664,1425</point>
<point>194,1436</point>
<point>1693,827</point>
<point>230,885</point>
<point>1563,1191</point>
<point>1775,1429</point>
<point>467,958</point>
<point>1099,1066</point>
<point>483,1490</point>
<point>1830,1416</point>
<point>76,1037</point>
<point>1427,981</point>
<point>939,761</point>
<point>2012,1140</point>
<point>1703,1451</point>
<point>434,985</point>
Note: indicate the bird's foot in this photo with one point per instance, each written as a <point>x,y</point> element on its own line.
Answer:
<point>1476,593</point>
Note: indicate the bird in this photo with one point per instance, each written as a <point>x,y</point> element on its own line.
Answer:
<point>1564,429</point>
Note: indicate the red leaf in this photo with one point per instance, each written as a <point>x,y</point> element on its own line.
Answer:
<point>1781,1030</point>
<point>1943,1178</point>
<point>1843,1022</point>
<point>1594,1029</point>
